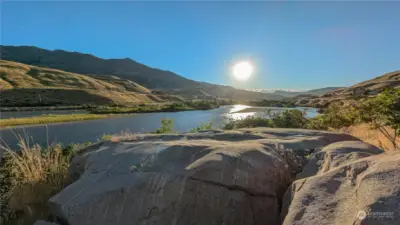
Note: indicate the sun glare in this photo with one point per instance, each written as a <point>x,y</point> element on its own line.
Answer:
<point>242,70</point>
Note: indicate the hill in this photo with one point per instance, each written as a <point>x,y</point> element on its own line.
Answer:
<point>363,89</point>
<point>127,69</point>
<point>291,93</point>
<point>25,85</point>
<point>321,91</point>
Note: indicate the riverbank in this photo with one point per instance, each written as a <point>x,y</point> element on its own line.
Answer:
<point>45,119</point>
<point>140,109</point>
<point>148,108</point>
<point>44,108</point>
<point>100,112</point>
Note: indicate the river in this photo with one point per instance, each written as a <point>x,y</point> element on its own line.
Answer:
<point>93,130</point>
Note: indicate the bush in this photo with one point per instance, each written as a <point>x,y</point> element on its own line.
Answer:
<point>292,118</point>
<point>167,126</point>
<point>203,126</point>
<point>336,116</point>
<point>289,119</point>
<point>250,121</point>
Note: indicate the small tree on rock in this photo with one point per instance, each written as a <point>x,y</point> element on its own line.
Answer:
<point>383,111</point>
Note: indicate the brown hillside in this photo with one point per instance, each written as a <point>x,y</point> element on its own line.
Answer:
<point>25,85</point>
<point>363,89</point>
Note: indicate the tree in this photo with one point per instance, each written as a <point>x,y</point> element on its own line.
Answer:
<point>167,126</point>
<point>383,111</point>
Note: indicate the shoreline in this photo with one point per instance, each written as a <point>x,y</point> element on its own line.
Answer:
<point>67,118</point>
<point>49,119</point>
<point>263,109</point>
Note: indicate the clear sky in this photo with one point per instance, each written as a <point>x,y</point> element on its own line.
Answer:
<point>294,45</point>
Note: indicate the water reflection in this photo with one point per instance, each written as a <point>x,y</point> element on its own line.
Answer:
<point>237,108</point>
<point>238,112</point>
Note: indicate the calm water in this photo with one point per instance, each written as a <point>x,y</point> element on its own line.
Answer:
<point>83,131</point>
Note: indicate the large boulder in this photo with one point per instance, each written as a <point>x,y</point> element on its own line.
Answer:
<point>365,191</point>
<point>236,177</point>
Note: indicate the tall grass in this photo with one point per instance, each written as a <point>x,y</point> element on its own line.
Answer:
<point>29,176</point>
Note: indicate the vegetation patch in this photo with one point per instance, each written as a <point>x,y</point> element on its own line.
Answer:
<point>147,108</point>
<point>381,112</point>
<point>29,176</point>
<point>272,103</point>
<point>44,119</point>
<point>167,126</point>
<point>202,126</point>
<point>292,118</point>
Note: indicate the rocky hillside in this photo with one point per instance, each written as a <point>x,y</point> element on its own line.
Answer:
<point>364,89</point>
<point>248,176</point>
<point>25,85</point>
<point>128,69</point>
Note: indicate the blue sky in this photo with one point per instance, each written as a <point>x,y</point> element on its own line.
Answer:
<point>293,45</point>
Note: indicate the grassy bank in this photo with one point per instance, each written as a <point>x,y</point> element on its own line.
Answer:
<point>101,112</point>
<point>49,119</point>
<point>139,109</point>
<point>44,108</point>
<point>174,107</point>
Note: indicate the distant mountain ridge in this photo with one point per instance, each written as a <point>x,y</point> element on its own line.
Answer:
<point>126,68</point>
<point>293,93</point>
<point>361,90</point>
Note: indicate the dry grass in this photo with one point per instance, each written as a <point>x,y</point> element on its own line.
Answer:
<point>372,136</point>
<point>26,85</point>
<point>44,119</point>
<point>20,75</point>
<point>30,177</point>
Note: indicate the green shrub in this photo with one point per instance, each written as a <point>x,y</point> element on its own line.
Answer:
<point>106,137</point>
<point>202,126</point>
<point>337,115</point>
<point>289,119</point>
<point>292,118</point>
<point>383,111</point>
<point>317,123</point>
<point>167,126</point>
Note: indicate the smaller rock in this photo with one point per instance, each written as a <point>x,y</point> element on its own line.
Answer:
<point>335,155</point>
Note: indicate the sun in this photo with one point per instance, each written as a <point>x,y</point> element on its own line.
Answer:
<point>242,70</point>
